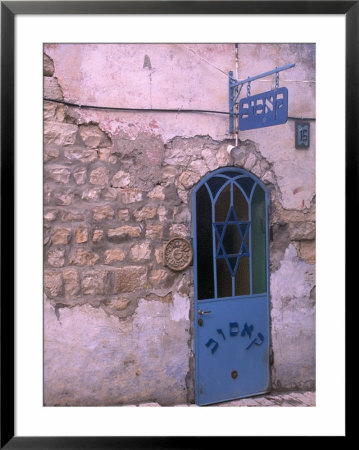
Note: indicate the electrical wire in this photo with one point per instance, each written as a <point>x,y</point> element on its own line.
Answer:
<point>205,60</point>
<point>114,108</point>
<point>226,74</point>
<point>179,110</point>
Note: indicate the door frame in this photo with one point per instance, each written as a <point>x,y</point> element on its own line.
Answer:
<point>194,241</point>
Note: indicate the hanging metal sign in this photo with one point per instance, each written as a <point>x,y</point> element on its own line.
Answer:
<point>260,110</point>
<point>263,110</point>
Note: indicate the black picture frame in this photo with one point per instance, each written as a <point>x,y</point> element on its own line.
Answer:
<point>9,10</point>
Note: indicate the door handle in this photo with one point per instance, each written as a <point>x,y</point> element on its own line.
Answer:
<point>200,312</point>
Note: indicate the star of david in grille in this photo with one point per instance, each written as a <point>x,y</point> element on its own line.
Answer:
<point>231,240</point>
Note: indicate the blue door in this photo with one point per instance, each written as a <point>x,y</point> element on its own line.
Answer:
<point>230,242</point>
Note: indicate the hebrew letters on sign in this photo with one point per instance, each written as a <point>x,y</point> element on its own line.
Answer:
<point>234,330</point>
<point>257,341</point>
<point>214,347</point>
<point>263,110</point>
<point>247,329</point>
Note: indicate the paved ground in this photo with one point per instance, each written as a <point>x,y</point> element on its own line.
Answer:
<point>274,399</point>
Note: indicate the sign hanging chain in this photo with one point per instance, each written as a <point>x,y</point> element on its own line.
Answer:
<point>277,80</point>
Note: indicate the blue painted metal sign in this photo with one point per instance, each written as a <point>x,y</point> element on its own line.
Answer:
<point>263,110</point>
<point>231,286</point>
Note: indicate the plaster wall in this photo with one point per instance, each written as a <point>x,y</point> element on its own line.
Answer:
<point>118,186</point>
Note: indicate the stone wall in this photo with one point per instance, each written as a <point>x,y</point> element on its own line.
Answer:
<point>117,321</point>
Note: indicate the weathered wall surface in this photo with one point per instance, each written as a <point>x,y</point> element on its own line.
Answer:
<point>117,187</point>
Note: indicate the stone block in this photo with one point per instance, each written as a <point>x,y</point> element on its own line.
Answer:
<point>59,133</point>
<point>80,175</point>
<point>222,156</point>
<point>302,231</point>
<point>47,194</point>
<point>154,231</point>
<point>97,236</point>
<point>124,214</point>
<point>250,162</point>
<point>83,257</point>
<point>81,234</point>
<point>157,193</point>
<point>110,194</point>
<point>61,236</point>
<point>130,196</point>
<point>264,164</point>
<point>99,176</point>
<point>169,173</point>
<point>121,179</point>
<point>113,255</point>
<point>199,167</point>
<point>140,252</point>
<point>72,216</point>
<point>159,255</point>
<point>146,212</point>
<point>49,110</point>
<point>129,279</point>
<point>91,195</point>
<point>49,68</point>
<point>189,179</point>
<point>51,153</point>
<point>117,303</point>
<point>104,154</point>
<point>84,155</point>
<point>307,251</point>
<point>156,297</point>
<point>158,277</point>
<point>209,158</point>
<point>256,170</point>
<point>183,196</point>
<point>93,137</point>
<point>123,232</point>
<point>64,198</point>
<point>102,213</point>
<point>162,213</point>
<point>50,215</point>
<point>96,282</point>
<point>179,229</point>
<point>268,177</point>
<point>54,111</point>
<point>53,283</point>
<point>56,257</point>
<point>71,282</point>
<point>52,89</point>
<point>176,157</point>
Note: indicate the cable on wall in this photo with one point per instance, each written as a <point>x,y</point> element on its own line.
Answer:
<point>226,74</point>
<point>115,108</point>
<point>179,110</point>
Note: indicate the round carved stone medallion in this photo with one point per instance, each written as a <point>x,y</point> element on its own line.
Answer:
<point>178,253</point>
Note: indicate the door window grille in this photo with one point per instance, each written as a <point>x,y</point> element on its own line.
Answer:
<point>231,235</point>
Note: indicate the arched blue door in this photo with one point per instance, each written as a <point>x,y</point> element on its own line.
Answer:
<point>230,241</point>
